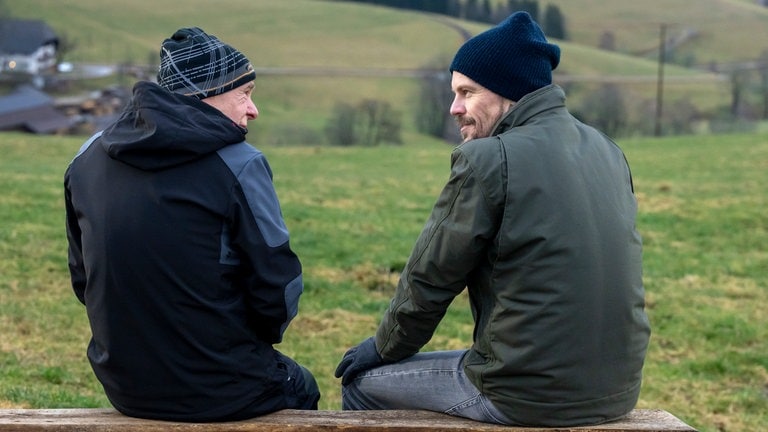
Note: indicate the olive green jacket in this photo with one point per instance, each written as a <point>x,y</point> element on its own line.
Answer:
<point>538,223</point>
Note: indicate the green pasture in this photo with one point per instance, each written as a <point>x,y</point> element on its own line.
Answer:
<point>354,214</point>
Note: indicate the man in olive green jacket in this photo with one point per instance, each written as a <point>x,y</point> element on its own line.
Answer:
<point>537,222</point>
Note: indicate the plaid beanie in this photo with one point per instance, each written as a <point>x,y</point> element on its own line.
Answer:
<point>194,63</point>
<point>511,59</point>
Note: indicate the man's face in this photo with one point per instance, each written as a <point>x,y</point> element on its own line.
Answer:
<point>236,104</point>
<point>475,108</point>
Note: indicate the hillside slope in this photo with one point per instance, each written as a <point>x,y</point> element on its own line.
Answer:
<point>315,33</point>
<point>343,52</point>
<point>708,31</point>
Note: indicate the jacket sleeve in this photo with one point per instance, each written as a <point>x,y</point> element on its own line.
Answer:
<point>75,247</point>
<point>272,272</point>
<point>452,243</point>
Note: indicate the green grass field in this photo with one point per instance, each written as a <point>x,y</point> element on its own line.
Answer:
<point>354,214</point>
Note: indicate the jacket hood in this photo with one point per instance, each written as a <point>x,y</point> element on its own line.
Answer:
<point>159,129</point>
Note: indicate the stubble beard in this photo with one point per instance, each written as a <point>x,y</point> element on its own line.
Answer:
<point>462,121</point>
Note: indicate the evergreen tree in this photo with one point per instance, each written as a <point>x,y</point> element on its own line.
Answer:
<point>530,6</point>
<point>473,10</point>
<point>453,8</point>
<point>554,23</point>
<point>487,12</point>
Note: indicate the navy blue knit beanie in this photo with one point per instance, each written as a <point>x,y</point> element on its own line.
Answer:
<point>194,63</point>
<point>511,59</point>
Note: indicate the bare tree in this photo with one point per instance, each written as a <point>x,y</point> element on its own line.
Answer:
<point>379,123</point>
<point>66,46</point>
<point>340,128</point>
<point>433,115</point>
<point>605,109</point>
<point>763,70</point>
<point>738,85</point>
<point>370,123</point>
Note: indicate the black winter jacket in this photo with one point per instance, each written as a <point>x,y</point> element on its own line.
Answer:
<point>179,252</point>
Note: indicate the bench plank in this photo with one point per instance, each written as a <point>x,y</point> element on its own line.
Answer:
<point>109,420</point>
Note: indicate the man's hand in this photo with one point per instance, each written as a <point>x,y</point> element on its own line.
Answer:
<point>358,359</point>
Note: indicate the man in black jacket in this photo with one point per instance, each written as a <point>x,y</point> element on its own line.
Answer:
<point>179,251</point>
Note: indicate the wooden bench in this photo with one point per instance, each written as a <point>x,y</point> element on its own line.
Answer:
<point>109,420</point>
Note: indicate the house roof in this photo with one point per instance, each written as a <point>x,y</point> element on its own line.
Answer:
<point>24,36</point>
<point>41,120</point>
<point>23,98</point>
<point>30,109</point>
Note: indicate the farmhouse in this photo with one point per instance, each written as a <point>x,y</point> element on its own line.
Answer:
<point>27,46</point>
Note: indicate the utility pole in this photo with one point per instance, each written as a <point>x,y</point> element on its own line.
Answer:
<point>660,79</point>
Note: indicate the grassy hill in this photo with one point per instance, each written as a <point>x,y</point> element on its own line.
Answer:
<point>325,40</point>
<point>308,33</point>
<point>721,30</point>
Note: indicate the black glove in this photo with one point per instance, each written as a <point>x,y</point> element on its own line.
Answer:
<point>358,359</point>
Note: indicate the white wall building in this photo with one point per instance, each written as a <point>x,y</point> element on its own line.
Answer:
<point>27,46</point>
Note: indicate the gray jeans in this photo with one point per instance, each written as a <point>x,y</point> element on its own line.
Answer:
<point>433,381</point>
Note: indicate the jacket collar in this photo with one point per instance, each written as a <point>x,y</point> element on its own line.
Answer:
<point>543,99</point>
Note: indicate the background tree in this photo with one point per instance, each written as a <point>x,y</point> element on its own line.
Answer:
<point>378,123</point>
<point>486,12</point>
<point>607,41</point>
<point>554,23</point>
<point>453,8</point>
<point>605,109</point>
<point>370,122</point>
<point>473,11</point>
<point>66,46</point>
<point>738,85</point>
<point>763,71</point>
<point>435,97</point>
<point>340,128</point>
<point>680,117</point>
<point>530,6</point>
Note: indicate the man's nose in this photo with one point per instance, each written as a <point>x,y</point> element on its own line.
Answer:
<point>252,111</point>
<point>457,107</point>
